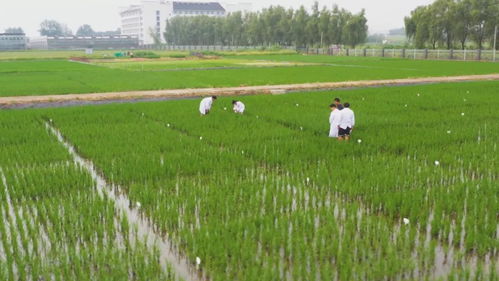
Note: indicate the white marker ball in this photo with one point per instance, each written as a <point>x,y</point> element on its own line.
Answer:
<point>359,141</point>
<point>406,221</point>
<point>437,163</point>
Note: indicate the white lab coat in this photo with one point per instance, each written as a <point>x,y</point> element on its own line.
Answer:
<point>334,121</point>
<point>205,105</point>
<point>239,107</point>
<point>347,118</point>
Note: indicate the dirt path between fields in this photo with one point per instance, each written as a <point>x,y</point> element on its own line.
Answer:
<point>95,98</point>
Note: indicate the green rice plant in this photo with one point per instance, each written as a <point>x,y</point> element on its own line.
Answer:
<point>57,77</point>
<point>266,195</point>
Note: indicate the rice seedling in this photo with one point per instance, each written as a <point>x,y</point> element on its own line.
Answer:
<point>64,77</point>
<point>266,195</point>
<point>54,225</point>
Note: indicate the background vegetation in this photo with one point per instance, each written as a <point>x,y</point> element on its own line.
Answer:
<point>272,26</point>
<point>453,23</point>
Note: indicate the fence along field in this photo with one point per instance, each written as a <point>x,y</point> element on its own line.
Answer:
<point>268,196</point>
<point>64,77</point>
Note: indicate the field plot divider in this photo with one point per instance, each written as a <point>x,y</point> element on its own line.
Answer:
<point>170,256</point>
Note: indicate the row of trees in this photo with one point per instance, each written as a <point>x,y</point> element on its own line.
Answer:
<point>14,30</point>
<point>449,23</point>
<point>272,26</point>
<point>53,28</point>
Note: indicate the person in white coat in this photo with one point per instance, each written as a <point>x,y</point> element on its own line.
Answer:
<point>205,105</point>
<point>238,107</point>
<point>334,121</point>
<point>347,122</point>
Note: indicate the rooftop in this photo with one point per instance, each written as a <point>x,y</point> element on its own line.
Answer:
<point>12,34</point>
<point>198,6</point>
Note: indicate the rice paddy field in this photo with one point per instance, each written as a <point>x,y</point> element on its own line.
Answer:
<point>260,196</point>
<point>54,73</point>
<point>153,191</point>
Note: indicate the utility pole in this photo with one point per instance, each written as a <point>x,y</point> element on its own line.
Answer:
<point>495,42</point>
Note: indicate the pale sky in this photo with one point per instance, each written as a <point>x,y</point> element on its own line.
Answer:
<point>103,15</point>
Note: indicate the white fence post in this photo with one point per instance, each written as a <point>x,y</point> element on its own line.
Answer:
<point>495,44</point>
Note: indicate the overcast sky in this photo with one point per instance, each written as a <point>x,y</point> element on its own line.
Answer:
<point>103,15</point>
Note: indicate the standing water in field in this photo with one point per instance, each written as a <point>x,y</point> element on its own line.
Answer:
<point>145,229</point>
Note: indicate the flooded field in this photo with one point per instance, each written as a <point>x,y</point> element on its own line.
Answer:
<point>153,191</point>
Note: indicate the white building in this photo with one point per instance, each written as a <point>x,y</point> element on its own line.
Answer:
<point>13,41</point>
<point>147,20</point>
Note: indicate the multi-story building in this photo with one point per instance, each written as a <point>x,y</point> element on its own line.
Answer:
<point>12,41</point>
<point>148,20</point>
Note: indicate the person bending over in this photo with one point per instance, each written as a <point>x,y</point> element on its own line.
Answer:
<point>205,105</point>
<point>238,107</point>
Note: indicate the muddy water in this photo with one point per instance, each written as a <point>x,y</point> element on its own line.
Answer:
<point>146,230</point>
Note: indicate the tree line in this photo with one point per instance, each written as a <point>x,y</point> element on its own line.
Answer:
<point>52,28</point>
<point>14,30</point>
<point>275,25</point>
<point>451,23</point>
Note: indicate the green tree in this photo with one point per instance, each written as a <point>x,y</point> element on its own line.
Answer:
<point>85,30</point>
<point>272,26</point>
<point>53,28</point>
<point>300,20</point>
<point>312,25</point>
<point>324,24</point>
<point>443,21</point>
<point>462,22</point>
<point>355,30</point>
<point>482,11</point>
<point>14,30</point>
